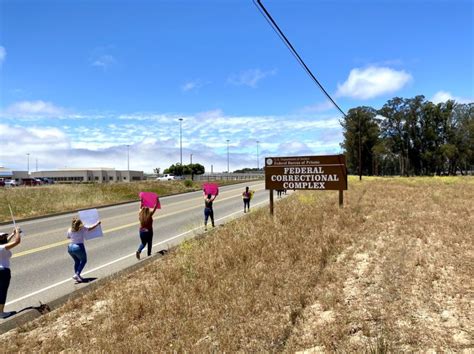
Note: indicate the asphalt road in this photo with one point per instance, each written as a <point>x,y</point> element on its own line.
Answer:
<point>42,268</point>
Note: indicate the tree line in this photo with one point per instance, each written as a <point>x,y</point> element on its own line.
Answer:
<point>410,136</point>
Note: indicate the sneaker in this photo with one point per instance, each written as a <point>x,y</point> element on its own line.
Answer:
<point>6,314</point>
<point>77,278</point>
<point>137,254</point>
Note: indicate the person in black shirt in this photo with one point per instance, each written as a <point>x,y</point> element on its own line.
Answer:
<point>208,211</point>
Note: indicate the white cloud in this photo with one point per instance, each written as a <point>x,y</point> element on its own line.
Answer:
<point>249,77</point>
<point>104,61</point>
<point>31,109</point>
<point>373,81</point>
<point>154,139</point>
<point>192,85</point>
<point>443,96</point>
<point>3,54</point>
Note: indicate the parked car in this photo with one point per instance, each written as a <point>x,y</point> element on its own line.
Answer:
<point>167,177</point>
<point>30,182</point>
<point>11,183</point>
<point>46,180</point>
<point>2,183</point>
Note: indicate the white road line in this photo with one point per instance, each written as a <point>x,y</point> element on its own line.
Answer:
<point>119,259</point>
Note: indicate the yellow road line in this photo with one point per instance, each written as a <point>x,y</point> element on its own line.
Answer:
<point>60,243</point>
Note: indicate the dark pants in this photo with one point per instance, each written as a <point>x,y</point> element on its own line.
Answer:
<point>78,253</point>
<point>147,239</point>
<point>246,203</point>
<point>208,212</point>
<point>5,277</point>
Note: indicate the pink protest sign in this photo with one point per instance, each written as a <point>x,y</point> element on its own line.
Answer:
<point>149,199</point>
<point>210,188</point>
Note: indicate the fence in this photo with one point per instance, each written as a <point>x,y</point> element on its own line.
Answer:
<point>226,176</point>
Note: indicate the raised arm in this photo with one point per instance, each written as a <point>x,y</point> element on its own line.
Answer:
<point>156,206</point>
<point>93,226</point>
<point>16,239</point>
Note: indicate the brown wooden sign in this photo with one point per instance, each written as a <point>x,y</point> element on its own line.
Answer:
<point>306,172</point>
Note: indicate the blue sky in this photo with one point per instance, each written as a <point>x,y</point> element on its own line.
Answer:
<point>81,80</point>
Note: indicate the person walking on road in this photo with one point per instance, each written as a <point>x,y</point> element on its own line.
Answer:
<point>76,248</point>
<point>6,244</point>
<point>208,211</point>
<point>246,196</point>
<point>146,229</point>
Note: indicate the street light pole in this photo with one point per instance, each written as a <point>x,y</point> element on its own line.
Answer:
<point>228,156</point>
<point>181,141</point>
<point>191,159</point>
<point>28,162</point>
<point>258,162</point>
<point>360,155</point>
<point>128,158</point>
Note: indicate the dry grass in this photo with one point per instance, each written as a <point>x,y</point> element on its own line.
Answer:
<point>390,271</point>
<point>43,200</point>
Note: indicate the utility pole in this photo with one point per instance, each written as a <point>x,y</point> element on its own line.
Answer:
<point>28,162</point>
<point>128,159</point>
<point>360,154</point>
<point>258,162</point>
<point>181,141</point>
<point>191,159</point>
<point>228,156</point>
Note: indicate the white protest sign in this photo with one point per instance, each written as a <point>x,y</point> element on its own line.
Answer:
<point>89,218</point>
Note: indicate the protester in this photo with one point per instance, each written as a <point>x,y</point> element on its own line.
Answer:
<point>208,211</point>
<point>76,248</point>
<point>246,196</point>
<point>6,244</point>
<point>146,229</point>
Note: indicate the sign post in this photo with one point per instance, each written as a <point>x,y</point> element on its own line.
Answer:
<point>306,173</point>
<point>271,202</point>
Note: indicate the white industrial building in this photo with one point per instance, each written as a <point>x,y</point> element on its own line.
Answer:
<point>96,174</point>
<point>75,175</point>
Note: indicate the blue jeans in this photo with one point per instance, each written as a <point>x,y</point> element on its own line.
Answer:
<point>146,237</point>
<point>78,253</point>
<point>208,212</point>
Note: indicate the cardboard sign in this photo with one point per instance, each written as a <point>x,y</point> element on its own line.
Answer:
<point>149,200</point>
<point>89,218</point>
<point>210,188</point>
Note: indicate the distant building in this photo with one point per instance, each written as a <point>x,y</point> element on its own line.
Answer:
<point>8,174</point>
<point>97,175</point>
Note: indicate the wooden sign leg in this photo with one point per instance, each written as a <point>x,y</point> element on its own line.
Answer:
<point>341,198</point>
<point>271,202</point>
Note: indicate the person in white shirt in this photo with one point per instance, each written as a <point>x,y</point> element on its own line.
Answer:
<point>76,248</point>
<point>6,244</point>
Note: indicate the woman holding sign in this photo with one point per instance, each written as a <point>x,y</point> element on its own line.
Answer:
<point>146,228</point>
<point>208,210</point>
<point>76,249</point>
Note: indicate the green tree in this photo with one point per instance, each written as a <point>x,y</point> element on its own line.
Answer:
<point>190,169</point>
<point>361,127</point>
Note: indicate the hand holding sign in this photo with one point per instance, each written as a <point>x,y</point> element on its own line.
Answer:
<point>90,218</point>
<point>149,200</point>
<point>211,188</point>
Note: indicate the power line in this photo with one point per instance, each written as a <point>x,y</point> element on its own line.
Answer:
<point>293,51</point>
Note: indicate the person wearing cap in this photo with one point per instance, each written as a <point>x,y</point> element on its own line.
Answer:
<point>76,248</point>
<point>6,244</point>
